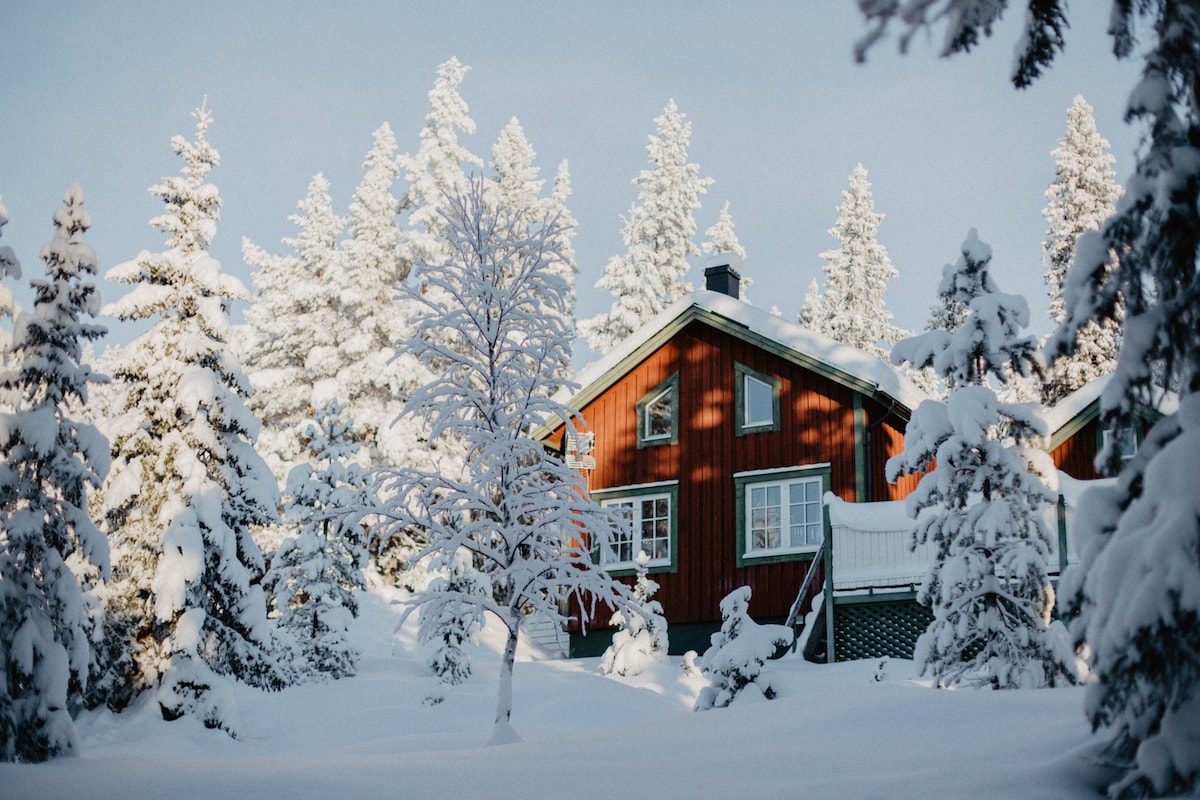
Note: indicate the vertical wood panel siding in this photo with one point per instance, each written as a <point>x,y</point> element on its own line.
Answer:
<point>1077,455</point>
<point>817,426</point>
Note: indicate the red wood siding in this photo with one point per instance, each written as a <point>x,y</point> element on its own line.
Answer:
<point>816,426</point>
<point>1077,455</point>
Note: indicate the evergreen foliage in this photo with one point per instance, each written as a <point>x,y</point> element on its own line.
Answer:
<point>981,497</point>
<point>187,485</point>
<point>315,575</point>
<point>512,508</point>
<point>48,543</point>
<point>738,652</point>
<point>659,235</point>
<point>1081,197</point>
<point>1144,260</point>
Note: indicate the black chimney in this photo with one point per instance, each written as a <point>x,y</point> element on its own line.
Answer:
<point>721,276</point>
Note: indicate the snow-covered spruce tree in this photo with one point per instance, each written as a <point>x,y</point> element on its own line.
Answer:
<point>738,653</point>
<point>852,308</point>
<point>521,513</point>
<point>516,186</point>
<point>371,386</point>
<point>659,235</point>
<point>446,628</point>
<point>48,543</point>
<point>1133,591</point>
<point>1081,197</point>
<point>810,308</point>
<point>566,267</point>
<point>9,268</point>
<point>315,575</point>
<point>721,238</point>
<point>438,169</point>
<point>186,484</point>
<point>981,503</point>
<point>298,326</point>
<point>642,638</point>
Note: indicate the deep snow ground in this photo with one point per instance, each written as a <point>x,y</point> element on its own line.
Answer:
<point>834,732</point>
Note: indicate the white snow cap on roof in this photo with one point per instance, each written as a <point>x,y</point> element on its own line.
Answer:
<point>849,360</point>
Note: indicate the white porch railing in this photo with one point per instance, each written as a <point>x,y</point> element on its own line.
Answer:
<point>871,543</point>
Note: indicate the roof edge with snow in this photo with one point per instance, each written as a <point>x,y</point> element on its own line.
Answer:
<point>846,365</point>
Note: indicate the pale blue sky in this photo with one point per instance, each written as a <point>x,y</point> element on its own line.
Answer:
<point>93,92</point>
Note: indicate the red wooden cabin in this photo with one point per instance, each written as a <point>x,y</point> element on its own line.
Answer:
<point>718,429</point>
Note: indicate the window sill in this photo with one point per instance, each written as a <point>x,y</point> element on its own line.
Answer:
<point>623,568</point>
<point>776,556</point>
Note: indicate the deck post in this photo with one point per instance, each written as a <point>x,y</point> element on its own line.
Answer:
<point>1061,510</point>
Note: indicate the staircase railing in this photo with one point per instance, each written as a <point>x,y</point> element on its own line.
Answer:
<point>794,613</point>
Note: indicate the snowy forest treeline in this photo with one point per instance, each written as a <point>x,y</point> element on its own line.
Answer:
<point>204,513</point>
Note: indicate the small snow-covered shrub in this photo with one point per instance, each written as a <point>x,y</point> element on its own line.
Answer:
<point>642,639</point>
<point>738,653</point>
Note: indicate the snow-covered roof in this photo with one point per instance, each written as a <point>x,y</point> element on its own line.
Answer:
<point>1074,404</point>
<point>1081,406</point>
<point>851,366</point>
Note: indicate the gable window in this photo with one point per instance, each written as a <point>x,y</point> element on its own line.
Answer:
<point>658,414</point>
<point>1122,440</point>
<point>756,401</point>
<point>781,513</point>
<point>649,511</point>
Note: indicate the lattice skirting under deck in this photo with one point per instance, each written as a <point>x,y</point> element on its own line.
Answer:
<point>878,628</point>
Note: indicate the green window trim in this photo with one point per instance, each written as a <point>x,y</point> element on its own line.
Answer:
<point>644,438</point>
<point>740,426</point>
<point>746,480</point>
<point>669,489</point>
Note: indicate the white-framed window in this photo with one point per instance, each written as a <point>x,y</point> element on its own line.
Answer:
<point>756,401</point>
<point>658,414</point>
<point>651,525</point>
<point>1122,440</point>
<point>781,513</point>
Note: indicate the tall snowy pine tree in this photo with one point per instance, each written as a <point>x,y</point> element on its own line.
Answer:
<point>9,268</point>
<point>851,308</point>
<point>187,485</point>
<point>48,542</point>
<point>298,326</point>
<point>438,169</point>
<point>1080,198</point>
<point>515,504</point>
<point>659,235</point>
<point>981,498</point>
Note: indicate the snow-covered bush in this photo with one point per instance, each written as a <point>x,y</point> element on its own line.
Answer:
<point>738,652</point>
<point>315,574</point>
<point>642,638</point>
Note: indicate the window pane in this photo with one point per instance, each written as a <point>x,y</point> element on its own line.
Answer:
<point>658,416</point>
<point>759,401</point>
<point>765,517</point>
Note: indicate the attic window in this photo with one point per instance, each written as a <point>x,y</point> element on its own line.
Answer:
<point>1122,440</point>
<point>658,414</point>
<point>756,401</point>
